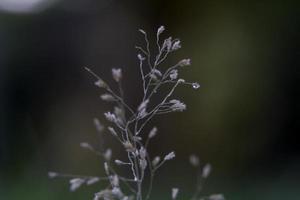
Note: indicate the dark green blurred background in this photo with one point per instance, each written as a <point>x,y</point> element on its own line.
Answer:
<point>244,120</point>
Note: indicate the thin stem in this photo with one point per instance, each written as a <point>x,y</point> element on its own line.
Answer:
<point>111,91</point>
<point>148,50</point>
<point>151,173</point>
<point>123,179</point>
<point>80,176</point>
<point>143,76</point>
<point>155,110</point>
<point>142,50</point>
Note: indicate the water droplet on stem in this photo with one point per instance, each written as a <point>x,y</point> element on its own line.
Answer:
<point>195,85</point>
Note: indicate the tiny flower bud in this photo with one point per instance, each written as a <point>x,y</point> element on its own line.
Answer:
<point>167,43</point>
<point>128,146</point>
<point>176,45</point>
<point>115,180</point>
<point>107,97</point>
<point>75,183</point>
<point>140,57</point>
<point>92,180</point>
<point>181,80</point>
<point>110,117</point>
<point>216,197</point>
<point>100,83</point>
<point>143,164</point>
<point>107,155</point>
<point>194,160</point>
<point>206,170</point>
<point>98,125</point>
<point>143,105</point>
<point>142,31</point>
<point>170,156</point>
<point>52,174</point>
<point>117,74</point>
<point>143,153</point>
<point>184,62</point>
<point>153,132</point>
<point>155,161</point>
<point>119,162</point>
<point>174,74</point>
<point>136,138</point>
<point>106,168</point>
<point>112,131</point>
<point>160,30</point>
<point>177,105</point>
<point>174,193</point>
<point>156,72</point>
<point>86,145</point>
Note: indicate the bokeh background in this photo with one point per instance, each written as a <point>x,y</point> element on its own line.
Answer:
<point>244,120</point>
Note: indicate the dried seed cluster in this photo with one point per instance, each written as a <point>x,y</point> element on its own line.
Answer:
<point>127,125</point>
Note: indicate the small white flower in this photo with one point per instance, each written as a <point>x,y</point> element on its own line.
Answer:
<point>143,113</point>
<point>176,45</point>
<point>143,105</point>
<point>143,164</point>
<point>167,44</point>
<point>142,109</point>
<point>153,132</point>
<point>106,168</point>
<point>206,170</point>
<point>100,83</point>
<point>194,160</point>
<point>107,97</point>
<point>156,160</point>
<point>153,76</point>
<point>115,180</point>
<point>160,30</point>
<point>119,162</point>
<point>174,74</point>
<point>86,145</point>
<point>112,131</point>
<point>52,174</point>
<point>118,112</point>
<point>142,152</point>
<point>177,105</point>
<point>142,31</point>
<point>98,125</point>
<point>107,154</point>
<point>136,138</point>
<point>181,80</point>
<point>170,156</point>
<point>140,57</point>
<point>117,74</point>
<point>174,193</point>
<point>92,180</point>
<point>110,117</point>
<point>103,194</point>
<point>184,62</point>
<point>128,146</point>
<point>116,191</point>
<point>75,183</point>
<point>156,72</point>
<point>216,197</point>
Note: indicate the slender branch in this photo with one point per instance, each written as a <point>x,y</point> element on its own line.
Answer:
<point>111,91</point>
<point>155,110</point>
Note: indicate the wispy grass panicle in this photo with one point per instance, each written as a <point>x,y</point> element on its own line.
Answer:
<point>127,124</point>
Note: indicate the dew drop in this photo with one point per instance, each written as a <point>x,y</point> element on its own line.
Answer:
<point>195,85</point>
